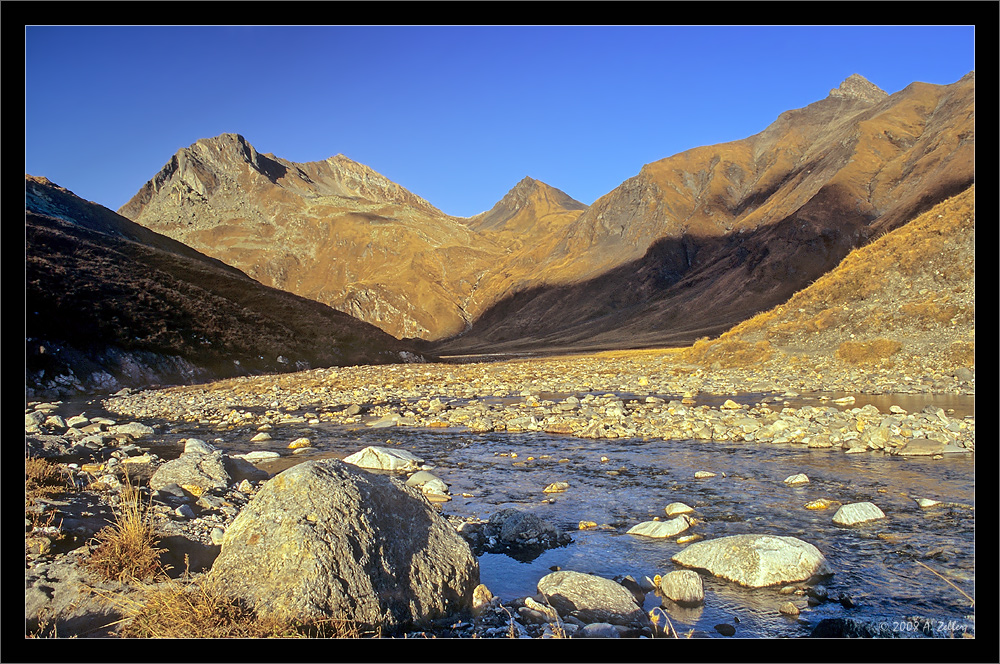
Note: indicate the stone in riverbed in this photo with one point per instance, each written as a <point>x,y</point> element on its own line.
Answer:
<point>684,587</point>
<point>755,560</point>
<point>661,529</point>
<point>921,447</point>
<point>854,513</point>
<point>794,480</point>
<point>676,509</point>
<point>325,539</point>
<point>515,532</point>
<point>385,458</point>
<point>592,599</point>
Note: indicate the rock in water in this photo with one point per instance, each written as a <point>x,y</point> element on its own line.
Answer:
<point>854,513</point>
<point>661,528</point>
<point>683,586</point>
<point>755,560</point>
<point>592,599</point>
<point>324,539</point>
<point>385,458</point>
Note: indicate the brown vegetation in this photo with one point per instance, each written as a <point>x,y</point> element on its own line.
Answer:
<point>126,551</point>
<point>201,609</point>
<point>727,353</point>
<point>873,351</point>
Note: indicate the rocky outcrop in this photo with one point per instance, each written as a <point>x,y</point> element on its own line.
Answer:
<point>323,539</point>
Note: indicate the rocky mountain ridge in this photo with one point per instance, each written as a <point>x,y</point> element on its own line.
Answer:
<point>692,244</point>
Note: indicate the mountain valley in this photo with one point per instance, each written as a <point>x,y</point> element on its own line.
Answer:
<point>691,246</point>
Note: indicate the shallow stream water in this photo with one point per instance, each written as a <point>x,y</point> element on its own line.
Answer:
<point>916,563</point>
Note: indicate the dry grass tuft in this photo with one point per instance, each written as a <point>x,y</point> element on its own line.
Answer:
<point>962,354</point>
<point>201,609</point>
<point>727,353</point>
<point>43,478</point>
<point>873,351</point>
<point>126,551</point>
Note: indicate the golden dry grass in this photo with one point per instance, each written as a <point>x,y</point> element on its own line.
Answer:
<point>873,351</point>
<point>126,550</point>
<point>202,609</point>
<point>727,352</point>
<point>43,478</point>
<point>962,354</point>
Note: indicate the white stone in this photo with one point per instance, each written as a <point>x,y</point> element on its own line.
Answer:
<point>854,513</point>
<point>676,509</point>
<point>755,560</point>
<point>384,458</point>
<point>661,529</point>
<point>800,478</point>
<point>197,446</point>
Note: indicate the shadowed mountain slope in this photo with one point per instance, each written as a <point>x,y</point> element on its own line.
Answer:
<point>697,242</point>
<point>906,299</point>
<point>111,304</point>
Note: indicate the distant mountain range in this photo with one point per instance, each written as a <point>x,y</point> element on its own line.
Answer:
<point>692,245</point>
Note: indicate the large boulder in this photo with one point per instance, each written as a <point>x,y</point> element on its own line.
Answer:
<point>324,539</point>
<point>592,599</point>
<point>755,560</point>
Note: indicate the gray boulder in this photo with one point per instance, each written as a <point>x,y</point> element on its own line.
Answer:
<point>522,534</point>
<point>683,586</point>
<point>202,473</point>
<point>755,560</point>
<point>592,599</point>
<point>324,539</point>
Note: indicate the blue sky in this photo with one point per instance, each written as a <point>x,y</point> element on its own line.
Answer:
<point>456,114</point>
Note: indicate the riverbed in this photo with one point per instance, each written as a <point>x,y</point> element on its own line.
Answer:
<point>912,572</point>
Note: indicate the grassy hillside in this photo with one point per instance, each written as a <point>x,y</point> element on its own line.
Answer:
<point>907,300</point>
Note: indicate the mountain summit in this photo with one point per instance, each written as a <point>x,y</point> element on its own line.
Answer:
<point>529,198</point>
<point>857,86</point>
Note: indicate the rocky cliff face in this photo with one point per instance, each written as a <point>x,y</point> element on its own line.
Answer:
<point>692,244</point>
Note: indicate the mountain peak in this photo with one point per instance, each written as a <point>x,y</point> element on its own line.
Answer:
<point>857,86</point>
